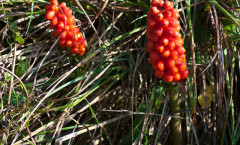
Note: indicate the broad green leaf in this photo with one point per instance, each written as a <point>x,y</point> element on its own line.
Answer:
<point>22,67</point>
<point>16,34</point>
<point>209,96</point>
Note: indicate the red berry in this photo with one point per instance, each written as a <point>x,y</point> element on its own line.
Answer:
<point>155,10</point>
<point>154,57</point>
<point>167,14</point>
<point>176,77</point>
<point>164,23</point>
<point>54,2</point>
<point>77,30</point>
<point>72,28</point>
<point>150,46</point>
<point>168,77</point>
<point>174,12</point>
<point>70,35</point>
<point>174,55</point>
<point>173,23</point>
<point>170,63</point>
<point>159,74</point>
<point>154,38</point>
<point>164,41</point>
<point>159,31</point>
<point>158,3</point>
<point>159,48</point>
<point>74,50</point>
<point>174,70</point>
<point>61,17</point>
<point>57,32</point>
<point>47,8</point>
<point>68,12</point>
<point>160,65</point>
<point>60,25</point>
<point>165,53</point>
<point>181,50</point>
<point>151,23</point>
<point>82,49</point>
<point>63,4</point>
<point>184,74</point>
<point>171,45</point>
<point>182,67</point>
<point>167,5</point>
<point>66,28</point>
<point>70,21</point>
<point>158,17</point>
<point>81,40</point>
<point>69,43</point>
<point>54,20</point>
<point>50,14</point>
<point>61,42</point>
<point>63,36</point>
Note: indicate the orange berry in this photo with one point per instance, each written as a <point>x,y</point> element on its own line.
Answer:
<point>174,70</point>
<point>168,77</point>
<point>69,43</point>
<point>181,50</point>
<point>159,48</point>
<point>70,21</point>
<point>164,41</point>
<point>174,55</point>
<point>160,65</point>
<point>158,32</point>
<point>50,14</point>
<point>60,25</point>
<point>54,20</point>
<point>72,28</point>
<point>63,36</point>
<point>184,74</point>
<point>167,5</point>
<point>70,35</point>
<point>182,67</point>
<point>54,2</point>
<point>165,53</point>
<point>176,77</point>
<point>170,63</point>
<point>164,23</point>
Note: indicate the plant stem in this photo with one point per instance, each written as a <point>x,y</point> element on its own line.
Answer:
<point>175,123</point>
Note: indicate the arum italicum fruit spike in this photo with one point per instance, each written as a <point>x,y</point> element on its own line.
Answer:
<point>63,22</point>
<point>165,45</point>
<point>167,55</point>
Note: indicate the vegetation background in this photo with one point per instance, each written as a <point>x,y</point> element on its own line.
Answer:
<point>110,95</point>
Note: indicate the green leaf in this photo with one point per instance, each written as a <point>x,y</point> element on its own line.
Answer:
<point>7,77</point>
<point>16,34</point>
<point>225,12</point>
<point>22,67</point>
<point>19,39</point>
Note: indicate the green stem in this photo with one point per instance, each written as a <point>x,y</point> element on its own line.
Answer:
<point>175,123</point>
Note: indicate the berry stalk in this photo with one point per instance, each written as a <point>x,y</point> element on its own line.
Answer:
<point>175,123</point>
<point>167,55</point>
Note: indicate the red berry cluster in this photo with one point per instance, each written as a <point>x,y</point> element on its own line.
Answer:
<point>62,22</point>
<point>165,45</point>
